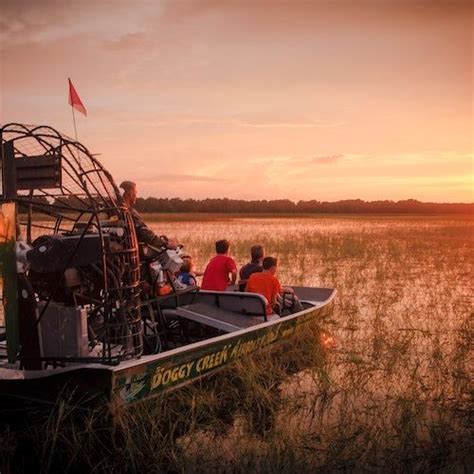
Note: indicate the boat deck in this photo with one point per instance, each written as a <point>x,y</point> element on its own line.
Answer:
<point>219,318</point>
<point>313,295</point>
<point>232,310</point>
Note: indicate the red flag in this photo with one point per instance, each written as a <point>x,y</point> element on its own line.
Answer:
<point>74,99</point>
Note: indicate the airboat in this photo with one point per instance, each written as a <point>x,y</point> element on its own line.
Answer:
<point>81,302</point>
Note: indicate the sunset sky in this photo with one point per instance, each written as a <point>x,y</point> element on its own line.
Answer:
<point>322,100</point>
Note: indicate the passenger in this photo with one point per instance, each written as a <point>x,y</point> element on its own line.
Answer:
<point>216,275</point>
<point>144,233</point>
<point>267,284</point>
<point>257,253</point>
<point>187,275</point>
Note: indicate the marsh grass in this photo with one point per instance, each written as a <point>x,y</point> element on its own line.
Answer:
<point>383,384</point>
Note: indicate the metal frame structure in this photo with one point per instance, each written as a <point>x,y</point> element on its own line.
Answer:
<point>60,189</point>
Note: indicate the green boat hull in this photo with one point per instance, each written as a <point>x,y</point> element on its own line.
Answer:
<point>140,379</point>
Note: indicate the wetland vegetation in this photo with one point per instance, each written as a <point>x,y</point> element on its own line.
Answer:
<point>384,384</point>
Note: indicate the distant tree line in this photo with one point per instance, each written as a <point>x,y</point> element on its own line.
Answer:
<point>277,206</point>
<point>285,206</point>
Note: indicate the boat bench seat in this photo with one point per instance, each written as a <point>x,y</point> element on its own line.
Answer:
<point>226,310</point>
<point>241,302</point>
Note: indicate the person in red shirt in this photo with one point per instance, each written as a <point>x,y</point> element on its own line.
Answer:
<point>267,284</point>
<point>216,275</point>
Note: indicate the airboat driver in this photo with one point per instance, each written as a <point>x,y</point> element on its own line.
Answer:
<point>144,233</point>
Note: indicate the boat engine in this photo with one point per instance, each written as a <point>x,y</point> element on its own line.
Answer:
<point>59,272</point>
<point>162,266</point>
<point>80,267</point>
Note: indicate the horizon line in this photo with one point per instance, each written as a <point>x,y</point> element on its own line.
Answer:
<point>310,200</point>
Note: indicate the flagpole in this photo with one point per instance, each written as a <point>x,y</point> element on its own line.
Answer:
<point>75,102</point>
<point>74,121</point>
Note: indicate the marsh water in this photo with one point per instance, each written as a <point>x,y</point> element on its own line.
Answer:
<point>398,346</point>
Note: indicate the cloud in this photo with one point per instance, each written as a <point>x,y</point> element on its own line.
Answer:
<point>128,41</point>
<point>174,177</point>
<point>302,124</point>
<point>27,22</point>
<point>199,121</point>
<point>305,161</point>
<point>326,160</point>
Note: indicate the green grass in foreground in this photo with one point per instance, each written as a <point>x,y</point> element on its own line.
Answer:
<point>393,393</point>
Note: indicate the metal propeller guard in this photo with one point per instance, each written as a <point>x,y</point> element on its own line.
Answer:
<point>83,246</point>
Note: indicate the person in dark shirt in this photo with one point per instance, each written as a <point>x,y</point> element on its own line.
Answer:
<point>144,233</point>
<point>257,253</point>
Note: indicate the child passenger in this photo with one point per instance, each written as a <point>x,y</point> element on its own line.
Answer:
<point>257,253</point>
<point>219,268</point>
<point>268,285</point>
<point>187,274</point>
